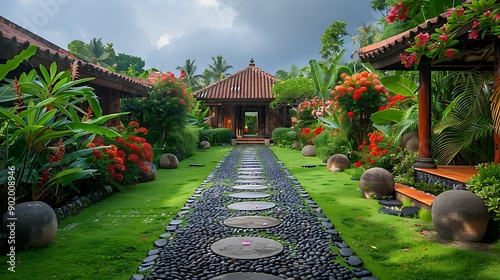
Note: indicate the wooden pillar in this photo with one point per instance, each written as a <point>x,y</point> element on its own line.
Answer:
<point>425,159</point>
<point>496,49</point>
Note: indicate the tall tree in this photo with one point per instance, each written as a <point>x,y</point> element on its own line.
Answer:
<point>332,40</point>
<point>219,67</point>
<point>94,52</point>
<point>129,65</point>
<point>190,79</point>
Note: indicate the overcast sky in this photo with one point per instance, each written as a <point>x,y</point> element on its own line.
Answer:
<point>275,33</point>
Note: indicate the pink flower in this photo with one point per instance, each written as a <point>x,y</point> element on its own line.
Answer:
<point>496,17</point>
<point>473,34</point>
<point>408,60</point>
<point>476,24</point>
<point>443,37</point>
<point>487,13</point>
<point>423,38</point>
<point>449,53</point>
<point>460,12</point>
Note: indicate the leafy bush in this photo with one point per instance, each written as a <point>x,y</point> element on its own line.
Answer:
<point>329,143</point>
<point>403,168</point>
<point>279,131</point>
<point>486,184</point>
<point>284,137</point>
<point>217,136</point>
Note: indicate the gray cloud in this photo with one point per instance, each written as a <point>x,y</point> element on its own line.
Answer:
<point>276,33</point>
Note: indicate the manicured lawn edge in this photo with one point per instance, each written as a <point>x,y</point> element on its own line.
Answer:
<point>391,247</point>
<point>110,239</point>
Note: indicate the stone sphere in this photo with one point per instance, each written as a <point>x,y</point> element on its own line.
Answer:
<point>309,151</point>
<point>295,144</point>
<point>376,183</point>
<point>204,145</point>
<point>35,226</point>
<point>409,141</point>
<point>168,161</point>
<point>338,162</point>
<point>147,176</point>
<point>459,215</point>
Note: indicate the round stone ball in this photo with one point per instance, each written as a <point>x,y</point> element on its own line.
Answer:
<point>338,162</point>
<point>295,144</point>
<point>459,215</point>
<point>147,176</point>
<point>409,141</point>
<point>168,161</point>
<point>309,151</point>
<point>35,224</point>
<point>376,183</point>
<point>204,145</point>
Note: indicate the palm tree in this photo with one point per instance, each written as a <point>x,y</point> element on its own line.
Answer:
<point>190,79</point>
<point>219,67</point>
<point>96,53</point>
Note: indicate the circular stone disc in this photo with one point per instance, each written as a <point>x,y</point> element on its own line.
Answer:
<point>252,222</point>
<point>250,169</point>
<point>251,205</point>
<point>258,248</point>
<point>249,172</point>
<point>250,187</point>
<point>249,195</point>
<point>246,276</point>
<point>249,182</point>
<point>250,177</point>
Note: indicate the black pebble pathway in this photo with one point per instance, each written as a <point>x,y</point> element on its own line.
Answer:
<point>185,252</point>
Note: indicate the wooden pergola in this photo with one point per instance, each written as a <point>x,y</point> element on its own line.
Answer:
<point>480,54</point>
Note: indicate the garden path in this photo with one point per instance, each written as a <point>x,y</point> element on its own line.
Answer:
<point>250,219</point>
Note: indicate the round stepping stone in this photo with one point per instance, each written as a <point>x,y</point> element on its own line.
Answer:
<point>246,276</point>
<point>197,164</point>
<point>389,203</point>
<point>250,169</point>
<point>250,172</point>
<point>250,187</point>
<point>247,248</point>
<point>250,182</point>
<point>308,165</point>
<point>247,195</point>
<point>250,177</point>
<point>251,205</point>
<point>252,222</point>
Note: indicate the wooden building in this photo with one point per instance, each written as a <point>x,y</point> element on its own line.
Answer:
<point>244,93</point>
<point>109,86</point>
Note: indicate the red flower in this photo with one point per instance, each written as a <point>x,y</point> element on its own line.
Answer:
<point>133,124</point>
<point>133,157</point>
<point>449,53</point>
<point>357,164</point>
<point>120,140</point>
<point>423,38</point>
<point>350,114</point>
<point>143,130</point>
<point>443,37</point>
<point>356,96</point>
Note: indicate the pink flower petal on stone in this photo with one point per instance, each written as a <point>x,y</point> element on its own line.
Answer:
<point>246,243</point>
<point>264,224</point>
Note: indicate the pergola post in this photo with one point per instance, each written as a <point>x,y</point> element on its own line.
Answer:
<point>425,159</point>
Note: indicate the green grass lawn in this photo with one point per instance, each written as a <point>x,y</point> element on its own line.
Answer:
<point>391,247</point>
<point>110,239</point>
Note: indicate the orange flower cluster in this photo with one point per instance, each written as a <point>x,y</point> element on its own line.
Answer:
<point>357,84</point>
<point>371,153</point>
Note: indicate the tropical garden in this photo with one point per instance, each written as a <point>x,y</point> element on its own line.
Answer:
<point>55,145</point>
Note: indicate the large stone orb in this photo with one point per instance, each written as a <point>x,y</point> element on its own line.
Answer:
<point>409,141</point>
<point>309,151</point>
<point>147,176</point>
<point>204,145</point>
<point>35,226</point>
<point>168,161</point>
<point>295,144</point>
<point>338,162</point>
<point>460,216</point>
<point>376,183</point>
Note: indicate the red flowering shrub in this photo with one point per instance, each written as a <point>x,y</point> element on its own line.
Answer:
<point>356,98</point>
<point>375,153</point>
<point>306,135</point>
<point>119,163</point>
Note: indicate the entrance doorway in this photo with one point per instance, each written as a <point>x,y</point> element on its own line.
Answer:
<point>251,125</point>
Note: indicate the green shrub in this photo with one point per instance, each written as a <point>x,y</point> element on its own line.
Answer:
<point>216,137</point>
<point>486,184</point>
<point>183,143</point>
<point>403,166</point>
<point>329,143</point>
<point>284,137</point>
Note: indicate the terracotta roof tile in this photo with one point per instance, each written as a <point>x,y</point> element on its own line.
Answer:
<point>249,83</point>
<point>19,38</point>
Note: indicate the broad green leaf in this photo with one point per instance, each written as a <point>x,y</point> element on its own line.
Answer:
<point>16,61</point>
<point>400,85</point>
<point>92,128</point>
<point>387,116</point>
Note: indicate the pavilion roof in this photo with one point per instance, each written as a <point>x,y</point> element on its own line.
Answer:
<point>14,38</point>
<point>248,83</point>
<point>473,54</point>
